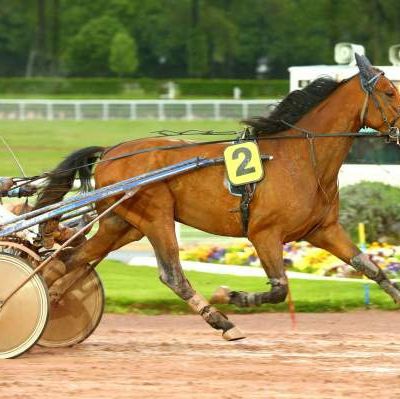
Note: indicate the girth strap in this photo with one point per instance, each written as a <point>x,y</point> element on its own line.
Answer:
<point>247,196</point>
<point>247,190</point>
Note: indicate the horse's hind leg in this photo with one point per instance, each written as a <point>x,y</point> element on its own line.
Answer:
<point>269,250</point>
<point>159,227</point>
<point>334,239</point>
<point>113,233</point>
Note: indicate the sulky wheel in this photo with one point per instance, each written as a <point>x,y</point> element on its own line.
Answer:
<point>23,317</point>
<point>76,315</point>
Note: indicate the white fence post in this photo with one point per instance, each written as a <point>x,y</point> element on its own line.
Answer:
<point>245,110</point>
<point>49,111</point>
<point>132,111</point>
<point>21,111</point>
<point>105,115</point>
<point>161,111</point>
<point>217,111</point>
<point>78,112</point>
<point>189,111</point>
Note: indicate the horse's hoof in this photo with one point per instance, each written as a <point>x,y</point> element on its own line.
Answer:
<point>233,334</point>
<point>54,296</point>
<point>221,295</point>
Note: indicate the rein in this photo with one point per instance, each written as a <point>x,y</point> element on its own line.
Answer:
<point>304,134</point>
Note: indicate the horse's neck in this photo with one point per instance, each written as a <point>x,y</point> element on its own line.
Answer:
<point>340,112</point>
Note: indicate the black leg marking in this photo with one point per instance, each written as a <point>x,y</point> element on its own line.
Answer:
<point>364,264</point>
<point>277,294</point>
<point>215,318</point>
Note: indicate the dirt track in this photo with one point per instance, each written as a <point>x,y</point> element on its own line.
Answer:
<point>352,355</point>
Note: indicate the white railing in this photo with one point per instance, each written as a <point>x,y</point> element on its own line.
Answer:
<point>133,109</point>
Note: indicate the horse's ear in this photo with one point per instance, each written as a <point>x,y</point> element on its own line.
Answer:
<point>364,65</point>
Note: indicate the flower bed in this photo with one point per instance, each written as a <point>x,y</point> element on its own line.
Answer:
<point>298,256</point>
<point>242,254</point>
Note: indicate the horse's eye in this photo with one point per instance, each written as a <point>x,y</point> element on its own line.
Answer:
<point>390,93</point>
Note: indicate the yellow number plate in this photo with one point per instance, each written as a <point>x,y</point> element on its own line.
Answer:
<point>243,163</point>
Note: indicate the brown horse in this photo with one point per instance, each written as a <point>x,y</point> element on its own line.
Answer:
<point>298,198</point>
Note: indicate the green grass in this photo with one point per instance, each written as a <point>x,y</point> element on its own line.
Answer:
<point>138,290</point>
<point>41,145</point>
<point>193,235</point>
<point>139,95</point>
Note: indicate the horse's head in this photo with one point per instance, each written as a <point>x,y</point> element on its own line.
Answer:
<point>381,109</point>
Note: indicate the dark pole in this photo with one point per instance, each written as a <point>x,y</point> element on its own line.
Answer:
<point>331,14</point>
<point>41,36</point>
<point>195,13</point>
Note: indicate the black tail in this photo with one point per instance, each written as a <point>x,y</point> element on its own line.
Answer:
<point>61,179</point>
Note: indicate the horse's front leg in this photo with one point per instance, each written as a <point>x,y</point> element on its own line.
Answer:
<point>334,239</point>
<point>269,249</point>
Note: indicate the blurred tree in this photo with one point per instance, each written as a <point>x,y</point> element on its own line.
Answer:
<point>17,26</point>
<point>123,54</point>
<point>197,54</point>
<point>55,36</point>
<point>305,32</point>
<point>208,38</point>
<point>37,63</point>
<point>254,21</point>
<point>221,35</point>
<point>161,29</point>
<point>89,51</point>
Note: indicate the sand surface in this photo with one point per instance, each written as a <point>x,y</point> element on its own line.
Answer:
<point>348,355</point>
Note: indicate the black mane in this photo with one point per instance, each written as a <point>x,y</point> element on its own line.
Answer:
<point>293,107</point>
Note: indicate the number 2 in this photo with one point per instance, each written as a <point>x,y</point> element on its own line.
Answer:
<point>242,169</point>
<point>243,163</point>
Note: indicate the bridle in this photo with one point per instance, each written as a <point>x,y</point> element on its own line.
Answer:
<point>368,85</point>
